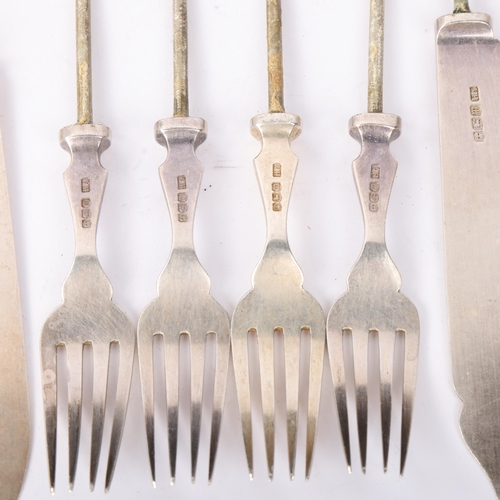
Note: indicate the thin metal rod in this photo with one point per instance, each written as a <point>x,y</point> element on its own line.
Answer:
<point>83,62</point>
<point>376,57</point>
<point>181,100</point>
<point>275,57</point>
<point>461,6</point>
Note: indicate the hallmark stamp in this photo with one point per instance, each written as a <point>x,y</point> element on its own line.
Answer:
<point>182,198</point>
<point>85,183</point>
<point>276,169</point>
<point>276,194</point>
<point>86,213</point>
<point>374,195</point>
<point>476,112</point>
<point>181,182</point>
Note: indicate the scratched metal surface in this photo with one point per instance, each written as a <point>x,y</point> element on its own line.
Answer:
<point>325,54</point>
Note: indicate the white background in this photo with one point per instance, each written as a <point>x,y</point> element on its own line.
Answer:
<point>325,58</point>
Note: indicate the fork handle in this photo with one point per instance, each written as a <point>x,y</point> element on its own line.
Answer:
<point>375,168</point>
<point>181,173</point>
<point>85,180</point>
<point>275,166</point>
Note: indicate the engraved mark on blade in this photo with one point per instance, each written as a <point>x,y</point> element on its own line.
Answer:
<point>476,112</point>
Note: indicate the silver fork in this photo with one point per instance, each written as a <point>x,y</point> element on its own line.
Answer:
<point>184,304</point>
<point>373,303</point>
<point>277,301</point>
<point>87,315</point>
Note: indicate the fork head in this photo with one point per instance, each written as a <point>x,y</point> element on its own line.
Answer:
<point>278,303</point>
<point>183,306</point>
<point>87,316</point>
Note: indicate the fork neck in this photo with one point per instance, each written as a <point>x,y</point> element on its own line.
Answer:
<point>275,166</point>
<point>375,168</point>
<point>181,173</point>
<point>85,180</point>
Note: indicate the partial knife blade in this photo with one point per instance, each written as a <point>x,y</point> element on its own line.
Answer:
<point>468,69</point>
<point>14,414</point>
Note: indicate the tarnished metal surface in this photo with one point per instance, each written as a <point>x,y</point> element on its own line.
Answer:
<point>181,100</point>
<point>275,57</point>
<point>373,304</point>
<point>277,301</point>
<point>83,62</point>
<point>468,65</point>
<point>461,6</point>
<point>14,411</point>
<point>376,57</point>
<point>87,314</point>
<point>184,304</point>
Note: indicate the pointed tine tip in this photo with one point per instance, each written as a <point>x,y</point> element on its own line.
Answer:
<point>92,485</point>
<point>193,479</point>
<point>363,469</point>
<point>349,468</point>
<point>52,490</point>
<point>172,481</point>
<point>154,484</point>
<point>250,474</point>
<point>292,476</point>
<point>71,486</point>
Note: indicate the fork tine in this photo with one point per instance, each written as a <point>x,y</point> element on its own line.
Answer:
<point>316,358</point>
<point>410,382</point>
<point>126,363</point>
<point>386,341</point>
<point>266,361</point>
<point>145,353</point>
<point>197,370</point>
<point>172,386</point>
<point>100,355</point>
<point>292,368</point>
<point>239,347</point>
<point>360,353</point>
<point>337,366</point>
<point>74,357</point>
<point>49,370</point>
<point>221,370</point>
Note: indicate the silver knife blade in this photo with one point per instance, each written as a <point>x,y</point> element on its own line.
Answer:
<point>14,412</point>
<point>468,69</point>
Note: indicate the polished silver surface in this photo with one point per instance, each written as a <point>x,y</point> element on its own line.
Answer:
<point>373,304</point>
<point>14,411</point>
<point>184,305</point>
<point>468,68</point>
<point>87,315</point>
<point>277,302</point>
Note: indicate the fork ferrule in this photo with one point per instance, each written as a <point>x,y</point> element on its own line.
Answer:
<point>275,166</point>
<point>181,173</point>
<point>85,180</point>
<point>375,168</point>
